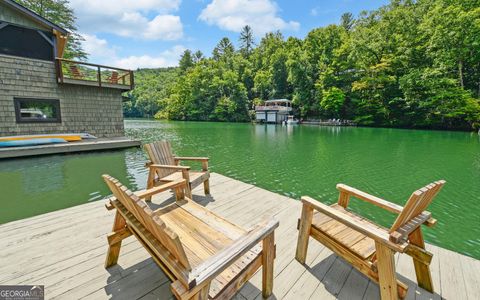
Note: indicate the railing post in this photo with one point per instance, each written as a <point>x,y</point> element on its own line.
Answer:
<point>99,76</point>
<point>131,80</point>
<point>59,70</point>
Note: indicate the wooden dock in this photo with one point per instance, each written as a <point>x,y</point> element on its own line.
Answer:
<point>65,251</point>
<point>80,146</point>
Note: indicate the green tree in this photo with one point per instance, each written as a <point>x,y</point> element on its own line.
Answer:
<point>247,41</point>
<point>453,40</point>
<point>223,50</point>
<point>407,64</point>
<point>347,21</point>
<point>186,61</point>
<point>332,101</point>
<point>197,56</point>
<point>152,87</point>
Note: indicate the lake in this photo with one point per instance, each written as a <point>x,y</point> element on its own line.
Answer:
<point>293,161</point>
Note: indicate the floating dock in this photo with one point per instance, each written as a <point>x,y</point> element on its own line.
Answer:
<point>80,146</point>
<point>65,251</point>
<point>329,123</point>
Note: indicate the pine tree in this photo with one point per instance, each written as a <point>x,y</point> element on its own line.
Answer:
<point>197,56</point>
<point>223,49</point>
<point>246,41</point>
<point>186,61</point>
<point>347,21</point>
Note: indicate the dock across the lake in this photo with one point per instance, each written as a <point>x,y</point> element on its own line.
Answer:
<point>65,251</point>
<point>80,146</point>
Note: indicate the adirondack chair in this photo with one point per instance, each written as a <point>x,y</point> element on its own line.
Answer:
<point>113,78</point>
<point>205,256</point>
<point>369,247</point>
<point>75,72</point>
<point>164,167</point>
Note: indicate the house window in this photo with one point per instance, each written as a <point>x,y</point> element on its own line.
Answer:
<point>25,42</point>
<point>30,110</point>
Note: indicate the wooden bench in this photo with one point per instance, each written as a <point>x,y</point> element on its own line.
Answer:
<point>164,167</point>
<point>370,248</point>
<point>203,254</point>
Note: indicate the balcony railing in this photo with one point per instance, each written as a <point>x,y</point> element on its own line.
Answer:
<point>82,73</point>
<point>272,108</point>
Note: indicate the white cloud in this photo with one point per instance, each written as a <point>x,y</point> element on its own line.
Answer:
<point>168,58</point>
<point>115,7</point>
<point>130,18</point>
<point>97,47</point>
<point>232,15</point>
<point>318,11</point>
<point>167,26</point>
<point>101,52</point>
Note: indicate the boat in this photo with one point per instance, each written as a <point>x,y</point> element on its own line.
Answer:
<point>291,121</point>
<point>31,142</point>
<point>69,137</point>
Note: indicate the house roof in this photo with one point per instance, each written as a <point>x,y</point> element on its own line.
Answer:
<point>34,16</point>
<point>278,101</point>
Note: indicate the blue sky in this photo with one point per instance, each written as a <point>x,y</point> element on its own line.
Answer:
<point>153,33</point>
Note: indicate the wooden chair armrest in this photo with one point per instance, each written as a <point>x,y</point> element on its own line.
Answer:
<point>108,204</point>
<point>387,205</point>
<point>161,188</point>
<point>216,264</point>
<point>169,167</point>
<point>191,158</point>
<point>371,231</point>
<point>148,164</point>
<point>392,207</point>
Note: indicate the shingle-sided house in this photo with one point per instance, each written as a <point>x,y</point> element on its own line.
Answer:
<point>40,92</point>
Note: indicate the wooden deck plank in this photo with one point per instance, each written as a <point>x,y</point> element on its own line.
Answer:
<point>65,251</point>
<point>315,272</point>
<point>333,281</point>
<point>355,286</point>
<point>471,271</point>
<point>453,283</point>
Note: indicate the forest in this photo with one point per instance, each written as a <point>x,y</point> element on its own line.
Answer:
<point>410,64</point>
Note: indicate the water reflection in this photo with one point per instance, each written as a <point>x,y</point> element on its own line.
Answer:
<point>30,186</point>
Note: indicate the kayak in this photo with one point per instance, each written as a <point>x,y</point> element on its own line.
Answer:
<point>69,137</point>
<point>31,142</point>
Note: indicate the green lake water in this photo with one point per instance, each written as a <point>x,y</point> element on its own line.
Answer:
<point>293,161</point>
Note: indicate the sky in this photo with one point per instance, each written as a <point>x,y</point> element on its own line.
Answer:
<point>154,33</point>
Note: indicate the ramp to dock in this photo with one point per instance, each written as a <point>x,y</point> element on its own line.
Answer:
<point>65,251</point>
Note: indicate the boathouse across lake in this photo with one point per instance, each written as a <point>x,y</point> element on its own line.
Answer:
<point>273,111</point>
<point>40,92</point>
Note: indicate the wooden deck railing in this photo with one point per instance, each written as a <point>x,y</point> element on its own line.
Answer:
<point>272,108</point>
<point>75,72</point>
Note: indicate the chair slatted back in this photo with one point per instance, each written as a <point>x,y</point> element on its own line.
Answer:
<point>152,223</point>
<point>114,77</point>
<point>75,71</point>
<point>417,203</point>
<point>160,152</point>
